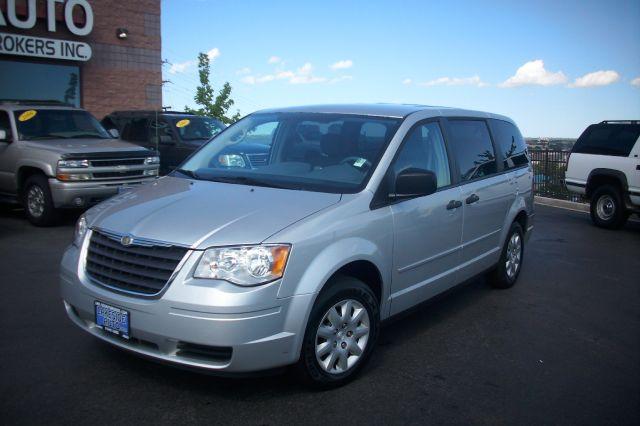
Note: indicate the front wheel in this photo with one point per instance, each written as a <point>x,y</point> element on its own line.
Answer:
<point>37,201</point>
<point>341,333</point>
<point>607,208</point>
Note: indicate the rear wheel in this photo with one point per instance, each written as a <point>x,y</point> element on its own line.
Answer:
<point>506,272</point>
<point>607,208</point>
<point>37,201</point>
<point>341,333</point>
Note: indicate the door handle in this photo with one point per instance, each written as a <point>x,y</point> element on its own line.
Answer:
<point>454,204</point>
<point>473,198</point>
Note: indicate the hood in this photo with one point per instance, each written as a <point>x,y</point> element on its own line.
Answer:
<point>82,146</point>
<point>203,214</point>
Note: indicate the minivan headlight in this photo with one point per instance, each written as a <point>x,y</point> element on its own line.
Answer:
<point>244,265</point>
<point>80,232</point>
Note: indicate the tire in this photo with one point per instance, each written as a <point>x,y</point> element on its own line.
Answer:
<point>332,298</point>
<point>508,269</point>
<point>37,201</point>
<point>607,207</point>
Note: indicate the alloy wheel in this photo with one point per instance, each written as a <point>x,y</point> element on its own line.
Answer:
<point>342,336</point>
<point>35,201</point>
<point>514,255</point>
<point>606,207</point>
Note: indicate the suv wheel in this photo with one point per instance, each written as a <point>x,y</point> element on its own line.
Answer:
<point>506,272</point>
<point>37,201</point>
<point>341,333</point>
<point>607,207</point>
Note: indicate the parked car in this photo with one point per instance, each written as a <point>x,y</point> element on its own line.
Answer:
<point>604,165</point>
<point>54,156</point>
<point>175,135</point>
<point>359,213</point>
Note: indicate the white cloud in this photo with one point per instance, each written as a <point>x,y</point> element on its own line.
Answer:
<point>274,60</point>
<point>303,75</point>
<point>284,75</point>
<point>534,73</point>
<point>597,78</point>
<point>243,71</point>
<point>341,78</point>
<point>407,81</point>
<point>342,65</point>
<point>213,53</point>
<point>181,67</point>
<point>636,82</point>
<point>455,81</point>
<point>305,69</point>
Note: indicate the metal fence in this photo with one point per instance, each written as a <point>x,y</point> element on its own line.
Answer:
<point>549,167</point>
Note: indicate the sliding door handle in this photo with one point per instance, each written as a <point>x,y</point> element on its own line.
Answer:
<point>454,204</point>
<point>473,198</point>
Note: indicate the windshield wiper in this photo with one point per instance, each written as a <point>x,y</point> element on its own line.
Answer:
<point>243,180</point>
<point>86,135</point>
<point>35,138</point>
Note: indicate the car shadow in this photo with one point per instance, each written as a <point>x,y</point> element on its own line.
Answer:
<point>285,381</point>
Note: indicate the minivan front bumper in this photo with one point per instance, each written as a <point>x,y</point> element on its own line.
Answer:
<point>218,327</point>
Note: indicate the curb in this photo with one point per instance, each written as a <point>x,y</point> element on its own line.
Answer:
<point>563,204</point>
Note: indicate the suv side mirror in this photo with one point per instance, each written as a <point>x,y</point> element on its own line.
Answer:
<point>412,183</point>
<point>114,133</point>
<point>3,136</point>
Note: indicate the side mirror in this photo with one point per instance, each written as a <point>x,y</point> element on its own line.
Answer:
<point>3,135</point>
<point>114,133</point>
<point>412,182</point>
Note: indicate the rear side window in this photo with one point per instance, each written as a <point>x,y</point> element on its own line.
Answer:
<point>5,124</point>
<point>472,148</point>
<point>136,130</point>
<point>510,143</point>
<point>608,139</point>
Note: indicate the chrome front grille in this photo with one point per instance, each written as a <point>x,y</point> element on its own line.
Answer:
<point>257,160</point>
<point>140,268</point>
<point>114,162</point>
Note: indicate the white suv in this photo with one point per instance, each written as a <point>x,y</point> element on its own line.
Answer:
<point>604,165</point>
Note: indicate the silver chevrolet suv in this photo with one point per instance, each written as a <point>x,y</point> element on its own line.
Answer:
<point>358,213</point>
<point>54,156</point>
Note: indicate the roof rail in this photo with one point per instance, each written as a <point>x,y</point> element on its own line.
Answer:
<point>34,102</point>
<point>149,111</point>
<point>620,122</point>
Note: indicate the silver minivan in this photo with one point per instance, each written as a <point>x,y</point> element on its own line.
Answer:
<point>352,214</point>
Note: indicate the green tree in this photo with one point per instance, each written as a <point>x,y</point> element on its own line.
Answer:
<point>210,104</point>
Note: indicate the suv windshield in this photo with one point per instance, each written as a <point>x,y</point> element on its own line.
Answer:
<point>40,124</point>
<point>197,128</point>
<point>308,151</point>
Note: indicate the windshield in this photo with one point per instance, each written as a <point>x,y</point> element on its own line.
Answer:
<point>40,124</point>
<point>315,152</point>
<point>197,128</point>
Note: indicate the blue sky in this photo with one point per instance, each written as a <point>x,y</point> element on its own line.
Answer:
<point>552,66</point>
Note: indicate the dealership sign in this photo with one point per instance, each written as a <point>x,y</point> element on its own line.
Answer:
<point>40,47</point>
<point>29,21</point>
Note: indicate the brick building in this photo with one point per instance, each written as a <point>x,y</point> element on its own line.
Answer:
<point>102,55</point>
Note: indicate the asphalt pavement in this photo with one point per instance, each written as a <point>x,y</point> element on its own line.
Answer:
<point>561,347</point>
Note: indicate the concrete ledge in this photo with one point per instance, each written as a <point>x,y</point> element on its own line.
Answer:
<point>563,204</point>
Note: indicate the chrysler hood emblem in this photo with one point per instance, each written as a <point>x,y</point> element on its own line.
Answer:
<point>126,240</point>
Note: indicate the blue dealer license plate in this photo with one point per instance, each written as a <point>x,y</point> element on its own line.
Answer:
<point>112,319</point>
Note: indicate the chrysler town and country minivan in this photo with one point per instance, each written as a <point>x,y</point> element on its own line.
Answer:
<point>359,213</point>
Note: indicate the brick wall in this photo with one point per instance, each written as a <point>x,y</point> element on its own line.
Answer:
<point>122,71</point>
<point>121,74</point>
